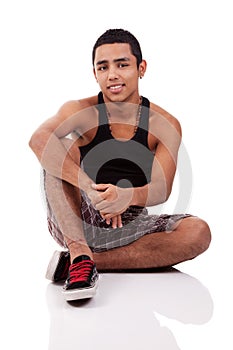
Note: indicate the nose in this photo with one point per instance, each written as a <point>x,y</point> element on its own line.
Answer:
<point>112,73</point>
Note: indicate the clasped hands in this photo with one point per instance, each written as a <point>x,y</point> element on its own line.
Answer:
<point>111,201</point>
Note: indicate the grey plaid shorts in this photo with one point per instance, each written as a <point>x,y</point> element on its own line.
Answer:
<point>101,236</point>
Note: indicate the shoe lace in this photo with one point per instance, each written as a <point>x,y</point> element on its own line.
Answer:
<point>80,271</point>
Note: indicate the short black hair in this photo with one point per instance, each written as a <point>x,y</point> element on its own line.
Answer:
<point>112,36</point>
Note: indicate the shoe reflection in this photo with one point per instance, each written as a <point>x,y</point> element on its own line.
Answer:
<point>124,313</point>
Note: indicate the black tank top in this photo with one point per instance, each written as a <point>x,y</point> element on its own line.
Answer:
<point>122,163</point>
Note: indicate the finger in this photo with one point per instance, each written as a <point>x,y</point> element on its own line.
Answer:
<point>107,219</point>
<point>107,216</point>
<point>114,222</point>
<point>119,221</point>
<point>100,187</point>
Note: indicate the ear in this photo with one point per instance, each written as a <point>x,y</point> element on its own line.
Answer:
<point>142,69</point>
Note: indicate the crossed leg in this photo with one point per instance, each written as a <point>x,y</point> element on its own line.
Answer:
<point>188,238</point>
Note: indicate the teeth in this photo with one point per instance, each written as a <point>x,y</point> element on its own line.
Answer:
<point>115,87</point>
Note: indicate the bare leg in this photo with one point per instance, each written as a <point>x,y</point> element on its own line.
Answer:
<point>65,202</point>
<point>190,237</point>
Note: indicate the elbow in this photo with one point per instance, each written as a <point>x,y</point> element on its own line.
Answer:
<point>36,143</point>
<point>167,195</point>
<point>33,142</point>
<point>163,198</point>
<point>159,196</point>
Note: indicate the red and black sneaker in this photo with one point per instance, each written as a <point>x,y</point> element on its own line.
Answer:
<point>82,279</point>
<point>58,267</point>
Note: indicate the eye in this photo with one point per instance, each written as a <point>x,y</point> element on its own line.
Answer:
<point>102,68</point>
<point>122,65</point>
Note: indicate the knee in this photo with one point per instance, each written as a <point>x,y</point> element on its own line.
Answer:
<point>201,234</point>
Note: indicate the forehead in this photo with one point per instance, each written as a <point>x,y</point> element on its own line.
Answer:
<point>111,52</point>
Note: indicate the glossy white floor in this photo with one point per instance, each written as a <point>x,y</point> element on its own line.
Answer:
<point>189,307</point>
<point>186,308</point>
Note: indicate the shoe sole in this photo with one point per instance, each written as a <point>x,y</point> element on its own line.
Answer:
<point>53,264</point>
<point>76,294</point>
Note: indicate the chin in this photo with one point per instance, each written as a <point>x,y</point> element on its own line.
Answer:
<point>120,97</point>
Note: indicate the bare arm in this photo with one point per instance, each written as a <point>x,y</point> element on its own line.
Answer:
<point>47,142</point>
<point>47,145</point>
<point>167,130</point>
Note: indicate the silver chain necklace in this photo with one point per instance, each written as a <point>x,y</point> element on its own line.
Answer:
<point>138,115</point>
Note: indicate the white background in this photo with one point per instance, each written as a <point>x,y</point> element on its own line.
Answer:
<point>46,60</point>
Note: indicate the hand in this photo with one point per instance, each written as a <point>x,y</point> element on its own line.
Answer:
<point>94,195</point>
<point>112,200</point>
<point>114,221</point>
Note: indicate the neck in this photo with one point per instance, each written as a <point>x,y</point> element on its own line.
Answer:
<point>122,110</point>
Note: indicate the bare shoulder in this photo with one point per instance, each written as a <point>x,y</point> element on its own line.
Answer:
<point>72,115</point>
<point>162,119</point>
<point>72,107</point>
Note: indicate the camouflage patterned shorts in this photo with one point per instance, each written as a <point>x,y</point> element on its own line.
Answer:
<point>101,236</point>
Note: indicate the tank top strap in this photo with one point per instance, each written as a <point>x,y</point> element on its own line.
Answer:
<point>100,98</point>
<point>103,120</point>
<point>144,120</point>
<point>141,135</point>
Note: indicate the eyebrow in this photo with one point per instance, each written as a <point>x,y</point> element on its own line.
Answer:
<point>121,59</point>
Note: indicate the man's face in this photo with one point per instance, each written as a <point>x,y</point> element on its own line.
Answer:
<point>116,71</point>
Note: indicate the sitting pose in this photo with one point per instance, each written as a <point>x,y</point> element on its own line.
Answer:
<point>105,159</point>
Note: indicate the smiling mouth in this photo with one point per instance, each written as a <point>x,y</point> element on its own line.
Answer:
<point>115,87</point>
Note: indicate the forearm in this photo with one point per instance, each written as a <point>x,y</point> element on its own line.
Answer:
<point>59,161</point>
<point>149,195</point>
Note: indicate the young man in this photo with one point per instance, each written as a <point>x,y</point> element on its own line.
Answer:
<point>105,159</point>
